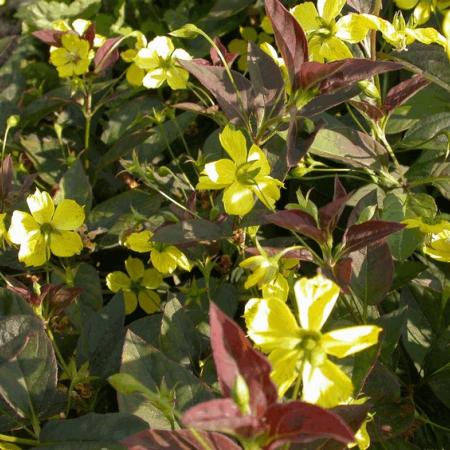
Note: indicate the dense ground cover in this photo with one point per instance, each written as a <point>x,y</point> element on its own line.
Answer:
<point>224,224</point>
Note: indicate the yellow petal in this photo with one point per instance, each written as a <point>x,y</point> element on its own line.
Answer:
<point>267,189</point>
<point>406,4</point>
<point>315,299</point>
<point>154,79</point>
<point>129,55</point>
<point>271,324</point>
<point>257,155</point>
<point>149,301</point>
<point>65,243</point>
<point>151,279</point>
<point>326,385</point>
<point>222,172</point>
<point>314,46</point>
<point>134,267</point>
<point>118,281</point>
<point>427,36</point>
<point>130,301</point>
<point>59,57</point>
<point>135,75</point>
<point>284,368</point>
<point>139,242</point>
<point>180,258</point>
<point>234,143</point>
<point>347,341</point>
<point>177,77</point>
<point>179,53</point>
<point>351,28</point>
<point>23,227</point>
<point>69,215</point>
<point>307,16</point>
<point>238,46</point>
<point>34,252</point>
<point>147,59</point>
<point>162,46</point>
<point>163,261</point>
<point>71,42</point>
<point>279,288</point>
<point>438,246</point>
<point>333,49</point>
<point>238,199</point>
<point>422,12</point>
<point>66,71</point>
<point>330,9</point>
<point>82,66</point>
<point>41,206</point>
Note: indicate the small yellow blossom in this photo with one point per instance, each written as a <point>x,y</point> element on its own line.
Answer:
<point>137,286</point>
<point>46,230</point>
<point>134,73</point>
<point>159,61</point>
<point>165,258</point>
<point>327,37</point>
<point>242,177</point>
<point>72,58</point>
<point>303,350</point>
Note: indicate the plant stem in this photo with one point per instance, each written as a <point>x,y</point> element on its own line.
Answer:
<point>17,440</point>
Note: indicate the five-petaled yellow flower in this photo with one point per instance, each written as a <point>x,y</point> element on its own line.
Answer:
<point>242,177</point>
<point>302,351</point>
<point>46,230</point>
<point>137,286</point>
<point>72,58</point>
<point>165,258</point>
<point>327,37</point>
<point>159,61</point>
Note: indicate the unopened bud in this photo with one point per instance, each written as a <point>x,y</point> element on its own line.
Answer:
<point>241,395</point>
<point>13,121</point>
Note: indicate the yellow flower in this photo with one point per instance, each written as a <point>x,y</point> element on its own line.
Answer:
<point>424,227</point>
<point>137,286</point>
<point>302,351</point>
<point>46,230</point>
<point>240,46</point>
<point>243,177</point>
<point>327,37</point>
<point>268,273</point>
<point>437,245</point>
<point>446,29</point>
<point>165,258</point>
<point>401,34</point>
<point>422,8</point>
<point>72,58</point>
<point>159,61</point>
<point>134,73</point>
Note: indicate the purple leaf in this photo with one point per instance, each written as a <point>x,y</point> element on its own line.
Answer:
<point>107,54</point>
<point>368,233</point>
<point>89,35</point>
<point>357,69</point>
<point>342,273</point>
<point>302,422</point>
<point>368,109</point>
<point>229,57</point>
<point>292,156</point>
<point>216,80</point>
<point>177,440</point>
<point>290,38</point>
<point>6,175</point>
<point>298,221</point>
<point>300,253</point>
<point>221,415</point>
<point>50,37</point>
<point>329,214</point>
<point>313,72</point>
<point>404,91</point>
<point>234,356</point>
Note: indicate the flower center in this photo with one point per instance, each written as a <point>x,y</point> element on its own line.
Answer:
<point>135,285</point>
<point>46,228</point>
<point>247,172</point>
<point>312,348</point>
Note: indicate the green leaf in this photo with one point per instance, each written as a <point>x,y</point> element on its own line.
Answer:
<point>399,206</point>
<point>42,13</point>
<point>430,61</point>
<point>102,430</point>
<point>405,271</point>
<point>28,371</point>
<point>372,273</point>
<point>350,147</point>
<point>75,185</point>
<point>393,325</point>
<point>434,128</point>
<point>12,304</point>
<point>152,368</point>
<point>101,339</point>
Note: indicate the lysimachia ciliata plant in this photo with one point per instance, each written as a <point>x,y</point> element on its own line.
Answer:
<point>159,181</point>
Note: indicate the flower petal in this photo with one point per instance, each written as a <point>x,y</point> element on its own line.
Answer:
<point>139,242</point>
<point>271,324</point>
<point>351,28</point>
<point>221,172</point>
<point>347,341</point>
<point>267,189</point>
<point>34,252</point>
<point>162,46</point>
<point>330,9</point>
<point>154,79</point>
<point>315,298</point>
<point>135,75</point>
<point>69,215</point>
<point>41,206</point>
<point>278,288</point>
<point>151,279</point>
<point>333,49</point>
<point>284,368</point>
<point>118,281</point>
<point>65,243</point>
<point>135,268</point>
<point>238,199</point>
<point>130,302</point>
<point>149,301</point>
<point>307,16</point>
<point>256,154</point>
<point>235,144</point>
<point>325,385</point>
<point>177,77</point>
<point>23,227</point>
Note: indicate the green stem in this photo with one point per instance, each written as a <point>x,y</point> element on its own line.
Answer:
<point>17,440</point>
<point>58,353</point>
